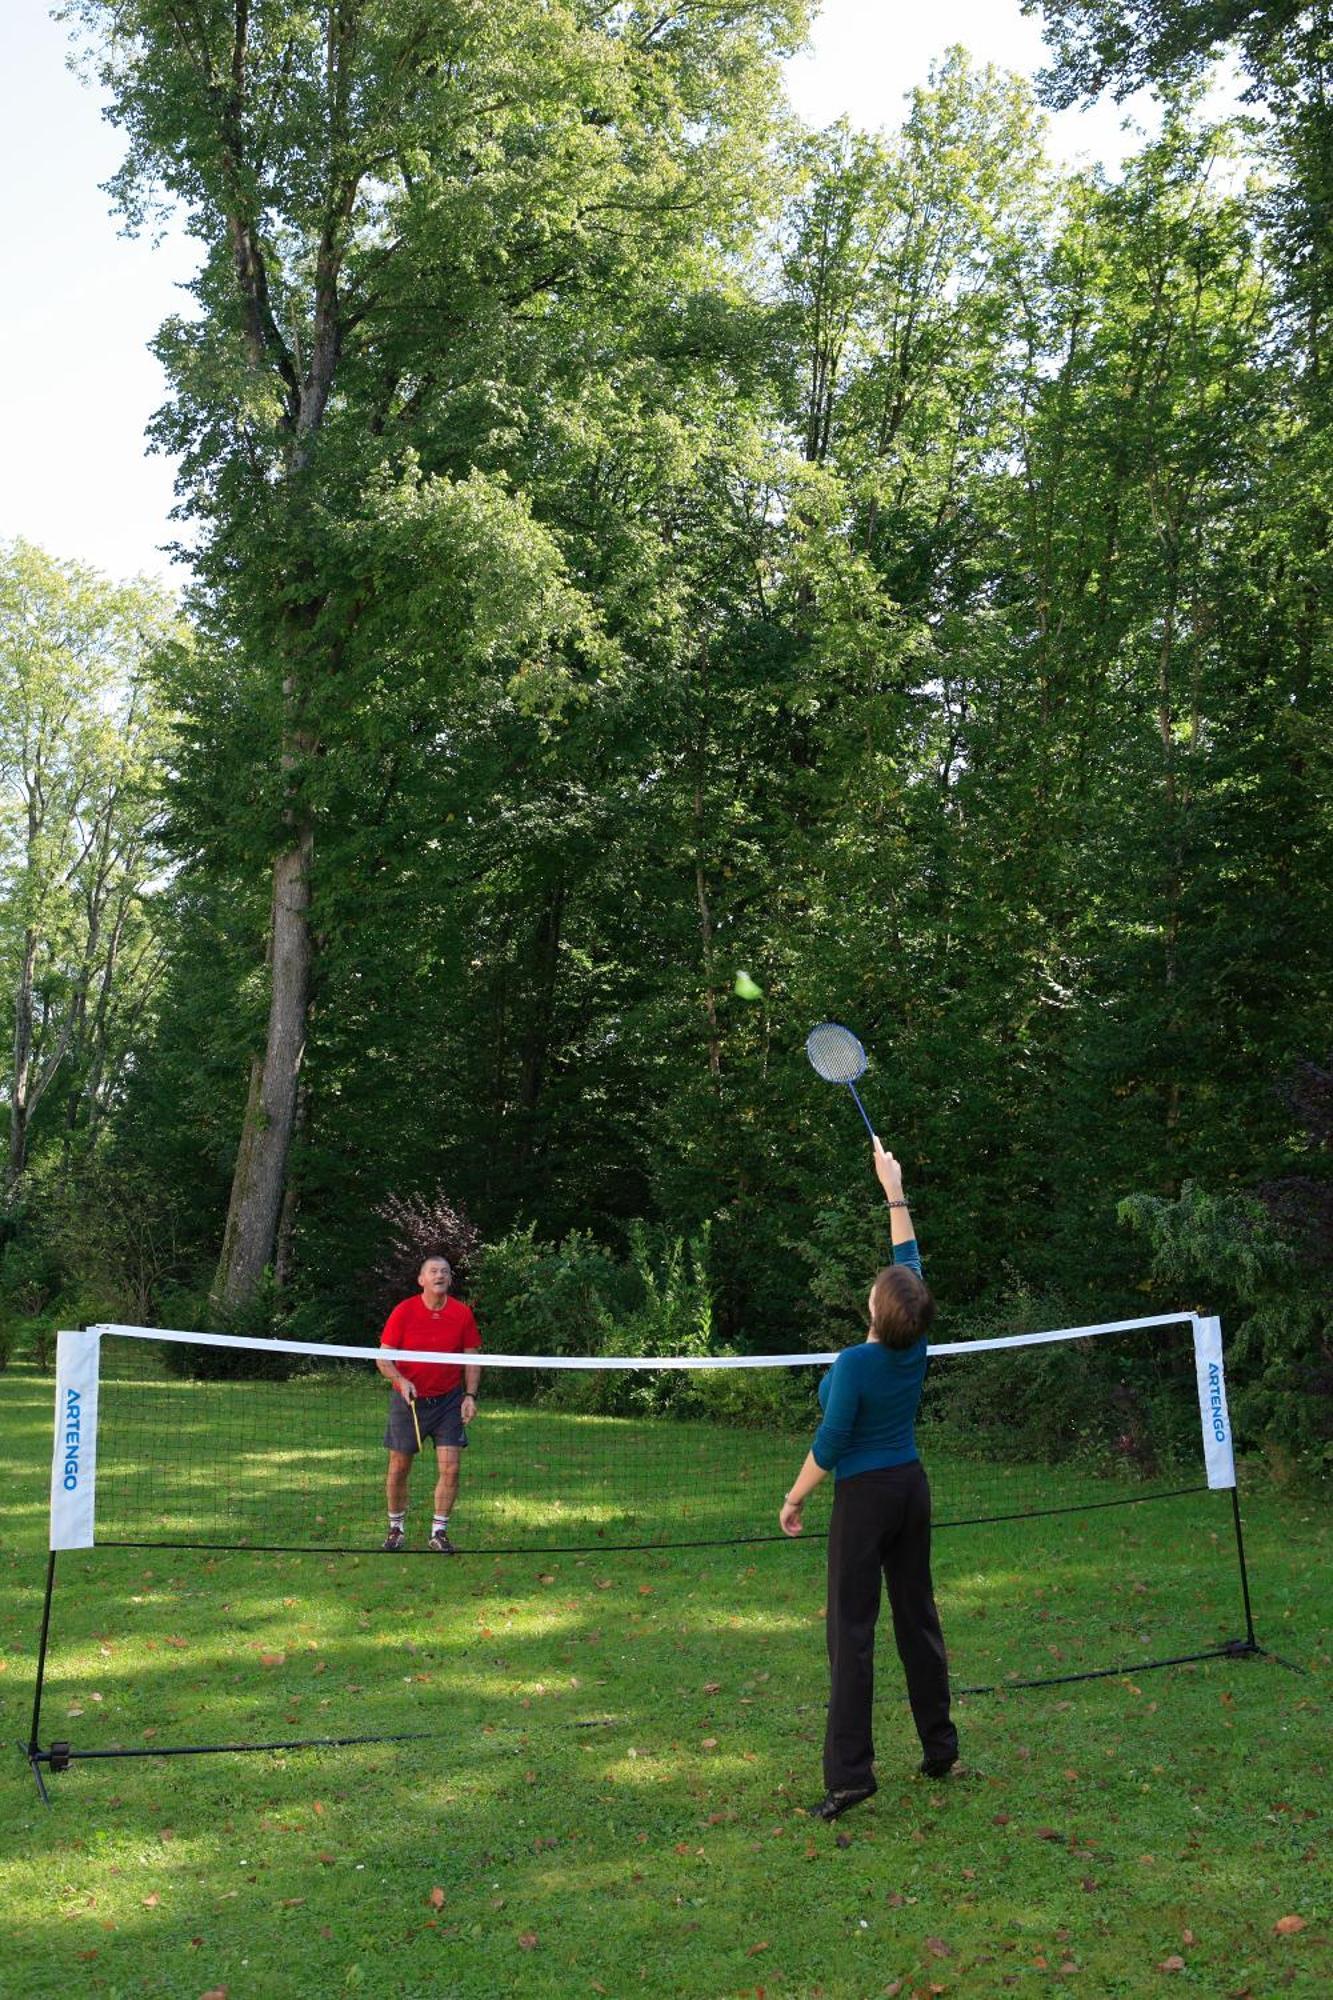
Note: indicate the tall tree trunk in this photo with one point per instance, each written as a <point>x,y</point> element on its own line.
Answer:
<point>259,1182</point>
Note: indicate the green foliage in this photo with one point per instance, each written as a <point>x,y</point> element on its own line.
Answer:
<point>1281,1340</point>
<point>1126,1408</point>
<point>576,1298</point>
<point>81,740</point>
<point>877,564</point>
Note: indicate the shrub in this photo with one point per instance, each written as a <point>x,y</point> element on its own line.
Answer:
<point>576,1297</point>
<point>1277,1311</point>
<point>1123,1410</point>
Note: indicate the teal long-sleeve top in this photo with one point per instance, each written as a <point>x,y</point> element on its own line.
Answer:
<point>869,1399</point>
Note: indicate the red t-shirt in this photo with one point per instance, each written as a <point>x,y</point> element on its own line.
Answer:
<point>448,1331</point>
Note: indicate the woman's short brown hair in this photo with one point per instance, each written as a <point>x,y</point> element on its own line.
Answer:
<point>902,1308</point>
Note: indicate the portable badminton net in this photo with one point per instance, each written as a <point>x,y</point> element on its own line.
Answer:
<point>257,1449</point>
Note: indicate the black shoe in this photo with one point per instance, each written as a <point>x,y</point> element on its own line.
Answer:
<point>441,1544</point>
<point>834,1804</point>
<point>938,1767</point>
<point>393,1542</point>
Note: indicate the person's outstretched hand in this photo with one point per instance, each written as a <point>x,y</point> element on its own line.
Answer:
<point>888,1172</point>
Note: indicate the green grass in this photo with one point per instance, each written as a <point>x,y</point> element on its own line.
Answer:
<point>611,1798</point>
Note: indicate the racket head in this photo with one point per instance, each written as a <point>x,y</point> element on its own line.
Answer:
<point>835,1054</point>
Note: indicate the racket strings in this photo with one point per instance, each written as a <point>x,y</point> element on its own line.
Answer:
<point>835,1054</point>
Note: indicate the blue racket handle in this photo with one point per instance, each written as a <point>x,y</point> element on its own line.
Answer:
<point>861,1108</point>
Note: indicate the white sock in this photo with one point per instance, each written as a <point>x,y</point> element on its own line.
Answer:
<point>440,1523</point>
<point>397,1520</point>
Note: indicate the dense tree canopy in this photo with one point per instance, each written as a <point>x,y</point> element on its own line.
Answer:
<point>664,578</point>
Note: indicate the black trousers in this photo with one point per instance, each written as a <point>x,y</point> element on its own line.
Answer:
<point>881,1528</point>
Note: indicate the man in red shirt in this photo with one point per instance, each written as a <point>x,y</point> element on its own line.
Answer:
<point>443,1403</point>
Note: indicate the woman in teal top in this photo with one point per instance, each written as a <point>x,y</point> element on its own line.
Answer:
<point>880,1526</point>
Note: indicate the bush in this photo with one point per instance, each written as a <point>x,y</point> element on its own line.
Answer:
<point>576,1297</point>
<point>1121,1410</point>
<point>1277,1313</point>
<point>418,1227</point>
<point>261,1317</point>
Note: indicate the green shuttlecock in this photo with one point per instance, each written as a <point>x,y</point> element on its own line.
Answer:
<point>745,988</point>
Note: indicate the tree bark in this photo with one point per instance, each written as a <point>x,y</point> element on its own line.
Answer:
<point>260,1179</point>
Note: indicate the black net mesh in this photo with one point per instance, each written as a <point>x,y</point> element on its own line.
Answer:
<point>1074,1528</point>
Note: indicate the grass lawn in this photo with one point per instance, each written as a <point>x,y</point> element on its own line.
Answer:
<point>610,1800</point>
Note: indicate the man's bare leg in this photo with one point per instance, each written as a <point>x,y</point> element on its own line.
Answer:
<point>446,1484</point>
<point>395,1484</point>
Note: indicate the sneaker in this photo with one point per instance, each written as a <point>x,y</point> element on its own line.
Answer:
<point>834,1804</point>
<point>441,1544</point>
<point>392,1542</point>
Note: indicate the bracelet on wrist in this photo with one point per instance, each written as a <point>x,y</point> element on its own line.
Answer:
<point>897,1204</point>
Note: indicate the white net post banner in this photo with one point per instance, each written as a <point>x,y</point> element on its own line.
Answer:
<point>74,1450</point>
<point>1218,1454</point>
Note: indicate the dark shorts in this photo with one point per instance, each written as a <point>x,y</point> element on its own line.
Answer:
<point>440,1418</point>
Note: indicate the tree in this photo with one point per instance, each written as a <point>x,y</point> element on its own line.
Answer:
<point>80,734</point>
<point>1122,45</point>
<point>391,194</point>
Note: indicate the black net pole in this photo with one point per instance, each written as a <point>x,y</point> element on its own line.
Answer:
<point>61,1756</point>
<point>33,1751</point>
<point>1252,1644</point>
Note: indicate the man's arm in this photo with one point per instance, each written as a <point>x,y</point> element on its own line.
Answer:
<point>471,1373</point>
<point>390,1369</point>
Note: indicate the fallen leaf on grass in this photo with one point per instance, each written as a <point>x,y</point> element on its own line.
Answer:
<point>1288,1926</point>
<point>527,1940</point>
<point>755,1949</point>
<point>1175,1963</point>
<point>151,1902</point>
<point>938,1948</point>
<point>708,1743</point>
<point>437,1899</point>
<point>214,1993</point>
<point>272,1659</point>
<point>291,1903</point>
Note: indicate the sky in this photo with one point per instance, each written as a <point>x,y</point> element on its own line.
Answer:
<point>77,381</point>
